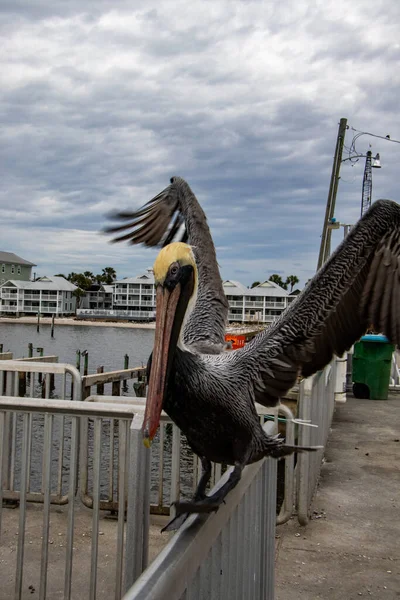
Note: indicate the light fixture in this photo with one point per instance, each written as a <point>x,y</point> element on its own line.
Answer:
<point>376,162</point>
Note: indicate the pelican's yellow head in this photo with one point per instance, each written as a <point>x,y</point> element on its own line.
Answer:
<point>175,275</point>
<point>176,253</point>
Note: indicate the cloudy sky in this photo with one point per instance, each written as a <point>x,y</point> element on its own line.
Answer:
<point>101,102</point>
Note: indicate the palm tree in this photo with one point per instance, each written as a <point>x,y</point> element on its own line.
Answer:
<point>278,280</point>
<point>109,274</point>
<point>292,280</point>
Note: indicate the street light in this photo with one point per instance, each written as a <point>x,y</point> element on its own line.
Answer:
<point>354,156</point>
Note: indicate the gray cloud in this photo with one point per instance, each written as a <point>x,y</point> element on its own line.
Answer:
<point>102,103</point>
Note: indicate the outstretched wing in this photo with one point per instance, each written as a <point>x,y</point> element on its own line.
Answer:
<point>160,222</point>
<point>358,287</point>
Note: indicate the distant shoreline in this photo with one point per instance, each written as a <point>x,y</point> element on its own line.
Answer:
<point>78,322</point>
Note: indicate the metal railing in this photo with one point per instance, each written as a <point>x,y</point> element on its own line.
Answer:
<point>176,470</point>
<point>36,378</point>
<point>228,556</point>
<point>129,553</point>
<point>316,405</point>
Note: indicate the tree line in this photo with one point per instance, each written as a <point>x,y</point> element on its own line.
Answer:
<point>85,280</point>
<point>291,280</point>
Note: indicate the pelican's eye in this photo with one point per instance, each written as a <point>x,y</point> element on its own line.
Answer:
<point>174,269</point>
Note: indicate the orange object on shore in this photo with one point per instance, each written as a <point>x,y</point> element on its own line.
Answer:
<point>237,341</point>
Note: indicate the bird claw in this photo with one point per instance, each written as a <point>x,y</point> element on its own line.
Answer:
<point>199,507</point>
<point>184,509</point>
<point>175,523</point>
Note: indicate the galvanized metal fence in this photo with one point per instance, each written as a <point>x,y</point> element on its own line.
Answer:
<point>134,502</point>
<point>316,405</point>
<point>229,556</point>
<point>36,378</point>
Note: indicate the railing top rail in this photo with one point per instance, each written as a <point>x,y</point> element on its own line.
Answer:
<point>95,378</point>
<point>51,358</point>
<point>66,407</point>
<point>169,573</point>
<point>141,402</point>
<point>35,367</point>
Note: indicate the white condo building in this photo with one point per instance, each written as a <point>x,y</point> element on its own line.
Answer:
<point>47,296</point>
<point>134,299</point>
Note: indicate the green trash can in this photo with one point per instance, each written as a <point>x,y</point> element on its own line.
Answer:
<point>372,361</point>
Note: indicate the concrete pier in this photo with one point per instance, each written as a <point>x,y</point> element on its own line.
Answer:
<point>351,547</point>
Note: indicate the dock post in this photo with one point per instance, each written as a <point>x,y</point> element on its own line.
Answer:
<point>38,322</point>
<point>100,386</point>
<point>30,350</point>
<point>52,325</point>
<point>78,366</point>
<point>1,348</point>
<point>116,388</point>
<point>40,350</point>
<point>126,366</point>
<point>21,384</point>
<point>85,354</point>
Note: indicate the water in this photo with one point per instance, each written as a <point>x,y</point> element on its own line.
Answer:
<point>106,345</point>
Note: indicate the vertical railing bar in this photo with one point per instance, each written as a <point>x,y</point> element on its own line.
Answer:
<point>71,507</point>
<point>96,507</point>
<point>46,476</point>
<point>13,424</point>
<point>30,424</point>
<point>2,428</point>
<point>47,385</point>
<point>1,382</point>
<point>175,468</point>
<point>64,386</point>
<point>138,503</point>
<point>146,469</point>
<point>122,436</point>
<point>263,542</point>
<point>111,462</point>
<point>224,583</point>
<point>161,467</point>
<point>32,385</point>
<point>61,438</point>
<point>22,508</point>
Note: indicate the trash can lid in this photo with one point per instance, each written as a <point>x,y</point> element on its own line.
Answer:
<point>375,338</point>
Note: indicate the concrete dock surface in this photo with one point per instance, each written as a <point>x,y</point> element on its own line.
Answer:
<point>351,547</point>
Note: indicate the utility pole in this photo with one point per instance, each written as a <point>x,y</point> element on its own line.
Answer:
<point>367,185</point>
<point>325,248</point>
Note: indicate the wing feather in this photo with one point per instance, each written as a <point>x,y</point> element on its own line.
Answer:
<point>358,287</point>
<point>158,223</point>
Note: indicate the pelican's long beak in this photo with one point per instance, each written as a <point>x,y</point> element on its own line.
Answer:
<point>170,304</point>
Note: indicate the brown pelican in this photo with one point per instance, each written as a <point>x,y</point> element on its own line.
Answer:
<point>209,393</point>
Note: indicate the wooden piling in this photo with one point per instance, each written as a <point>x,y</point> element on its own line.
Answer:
<point>100,386</point>
<point>30,350</point>
<point>85,362</point>
<point>126,366</point>
<point>1,348</point>
<point>40,350</point>
<point>116,388</point>
<point>78,366</point>
<point>38,322</point>
<point>21,384</point>
<point>52,326</point>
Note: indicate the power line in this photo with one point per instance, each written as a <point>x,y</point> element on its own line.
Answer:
<point>382,137</point>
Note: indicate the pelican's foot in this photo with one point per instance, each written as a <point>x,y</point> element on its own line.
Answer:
<point>206,505</point>
<point>175,523</point>
<point>184,509</point>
